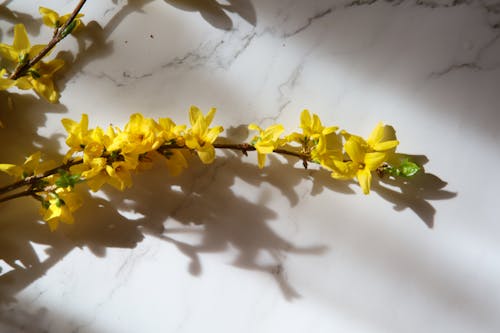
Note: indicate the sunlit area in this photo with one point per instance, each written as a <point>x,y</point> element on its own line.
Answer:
<point>249,166</point>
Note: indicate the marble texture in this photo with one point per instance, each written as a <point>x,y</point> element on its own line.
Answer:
<point>229,248</point>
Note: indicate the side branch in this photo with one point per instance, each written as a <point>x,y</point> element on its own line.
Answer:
<point>245,147</point>
<point>29,181</point>
<point>33,179</point>
<point>58,36</point>
<point>17,195</point>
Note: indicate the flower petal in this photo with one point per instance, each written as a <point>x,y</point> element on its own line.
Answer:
<point>376,135</point>
<point>386,145</point>
<point>12,170</point>
<point>355,149</point>
<point>206,154</point>
<point>21,41</point>
<point>194,115</point>
<point>364,179</point>
<point>49,17</point>
<point>374,160</point>
<point>8,52</point>
<point>261,159</point>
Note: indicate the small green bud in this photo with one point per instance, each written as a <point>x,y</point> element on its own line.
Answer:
<point>69,29</point>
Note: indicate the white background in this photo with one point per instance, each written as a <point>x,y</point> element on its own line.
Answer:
<point>229,247</point>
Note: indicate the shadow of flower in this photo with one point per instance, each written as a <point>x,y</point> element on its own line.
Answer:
<point>13,17</point>
<point>415,192</point>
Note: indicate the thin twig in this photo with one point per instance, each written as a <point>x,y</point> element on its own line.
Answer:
<point>33,179</point>
<point>17,195</point>
<point>243,147</point>
<point>58,36</point>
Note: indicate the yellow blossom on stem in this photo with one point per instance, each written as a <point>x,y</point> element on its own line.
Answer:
<point>366,155</point>
<point>176,162</point>
<point>382,138</point>
<point>171,132</point>
<point>267,141</point>
<point>327,150</point>
<point>322,143</point>
<point>52,19</point>
<point>312,129</point>
<point>362,163</point>
<point>59,207</point>
<point>200,137</point>
<point>78,134</point>
<point>39,79</point>
<point>32,166</point>
<point>21,50</point>
<point>5,83</point>
<point>139,136</point>
<point>119,174</point>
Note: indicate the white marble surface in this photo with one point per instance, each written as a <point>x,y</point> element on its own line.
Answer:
<point>229,248</point>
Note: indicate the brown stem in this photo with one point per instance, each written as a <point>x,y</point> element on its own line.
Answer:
<point>58,36</point>
<point>243,147</point>
<point>17,195</point>
<point>33,179</point>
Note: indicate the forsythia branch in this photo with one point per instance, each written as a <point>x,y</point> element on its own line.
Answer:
<point>98,157</point>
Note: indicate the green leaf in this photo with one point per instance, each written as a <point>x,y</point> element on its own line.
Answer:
<point>408,168</point>
<point>34,74</point>
<point>66,179</point>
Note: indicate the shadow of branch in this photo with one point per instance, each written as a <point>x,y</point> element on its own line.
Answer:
<point>204,197</point>
<point>198,212</point>
<point>15,17</point>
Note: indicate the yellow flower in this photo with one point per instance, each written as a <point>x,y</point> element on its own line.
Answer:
<point>366,156</point>
<point>92,151</point>
<point>32,166</point>
<point>322,143</point>
<point>52,19</point>
<point>5,83</point>
<point>119,174</point>
<point>39,79</point>
<point>382,138</point>
<point>170,131</point>
<point>21,50</point>
<point>312,129</point>
<point>78,134</point>
<point>200,137</point>
<point>362,162</point>
<point>139,136</point>
<point>327,149</point>
<point>267,141</point>
<point>173,134</point>
<point>59,207</point>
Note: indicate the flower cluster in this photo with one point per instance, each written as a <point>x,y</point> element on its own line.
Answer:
<point>109,156</point>
<point>100,156</point>
<point>346,155</point>
<point>21,71</point>
<point>53,190</point>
